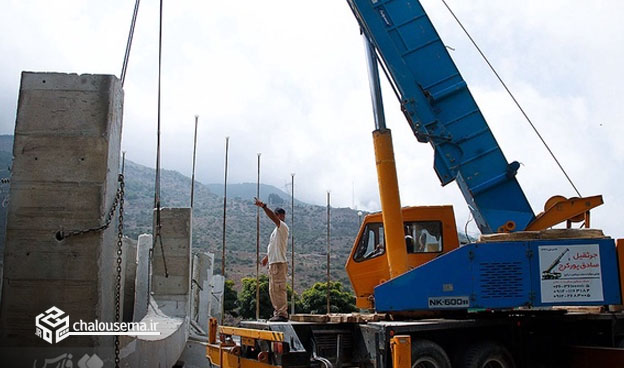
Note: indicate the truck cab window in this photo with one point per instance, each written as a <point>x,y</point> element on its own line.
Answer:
<point>423,236</point>
<point>371,244</point>
<point>420,237</point>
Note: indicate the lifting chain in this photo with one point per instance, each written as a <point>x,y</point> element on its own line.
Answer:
<point>120,199</point>
<point>5,201</point>
<point>61,235</point>
<point>118,202</point>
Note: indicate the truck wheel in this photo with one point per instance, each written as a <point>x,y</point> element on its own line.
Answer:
<point>487,355</point>
<point>428,354</point>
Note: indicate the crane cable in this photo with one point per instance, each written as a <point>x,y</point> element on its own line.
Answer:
<point>157,235</point>
<point>512,96</point>
<point>124,66</point>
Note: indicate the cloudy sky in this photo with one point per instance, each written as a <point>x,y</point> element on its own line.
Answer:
<point>287,78</point>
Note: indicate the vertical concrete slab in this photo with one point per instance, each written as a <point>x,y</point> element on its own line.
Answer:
<point>172,291</point>
<point>170,303</point>
<point>202,274</point>
<point>195,285</point>
<point>64,177</point>
<point>217,285</point>
<point>205,295</point>
<point>130,261</point>
<point>144,244</point>
<point>163,350</point>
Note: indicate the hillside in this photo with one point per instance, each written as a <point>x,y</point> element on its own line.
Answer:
<point>275,196</point>
<point>309,229</point>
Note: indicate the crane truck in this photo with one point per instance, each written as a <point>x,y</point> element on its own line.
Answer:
<point>523,295</point>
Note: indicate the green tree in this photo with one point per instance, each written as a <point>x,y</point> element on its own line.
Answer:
<point>314,299</point>
<point>247,298</point>
<point>229,298</point>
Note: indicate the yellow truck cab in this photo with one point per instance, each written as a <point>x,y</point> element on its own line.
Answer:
<point>429,232</point>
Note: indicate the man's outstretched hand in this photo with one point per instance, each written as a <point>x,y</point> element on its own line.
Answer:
<point>259,203</point>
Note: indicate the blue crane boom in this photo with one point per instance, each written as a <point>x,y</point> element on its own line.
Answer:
<point>497,272</point>
<point>441,111</point>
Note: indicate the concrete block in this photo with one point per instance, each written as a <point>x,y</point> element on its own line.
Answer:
<point>68,104</point>
<point>176,236</point>
<point>130,261</point>
<point>176,266</point>
<point>144,244</point>
<point>70,114</point>
<point>22,307</point>
<point>174,305</point>
<point>64,177</point>
<point>205,295</point>
<point>216,289</point>
<point>155,351</point>
<point>195,266</point>
<point>63,260</point>
<point>53,207</point>
<point>172,285</point>
<point>60,158</point>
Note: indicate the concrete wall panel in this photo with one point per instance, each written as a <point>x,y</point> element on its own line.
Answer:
<point>66,160</point>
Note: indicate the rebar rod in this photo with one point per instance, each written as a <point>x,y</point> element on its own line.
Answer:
<point>258,244</point>
<point>292,240</point>
<point>328,253</point>
<point>194,157</point>
<point>227,147</point>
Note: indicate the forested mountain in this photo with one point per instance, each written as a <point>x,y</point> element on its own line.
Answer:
<point>310,223</point>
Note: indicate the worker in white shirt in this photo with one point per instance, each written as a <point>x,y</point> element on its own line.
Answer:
<point>278,266</point>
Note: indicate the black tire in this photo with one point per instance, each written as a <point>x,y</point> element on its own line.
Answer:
<point>428,354</point>
<point>487,355</point>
